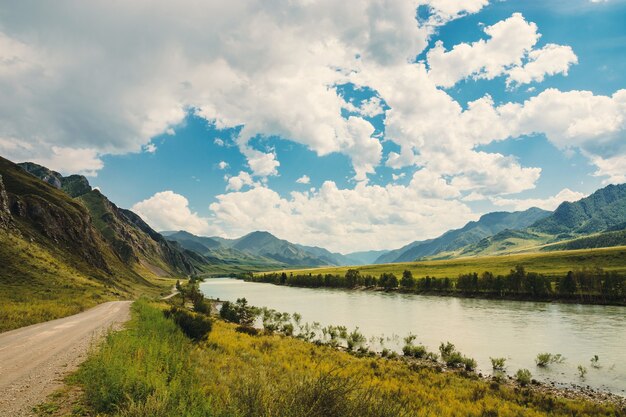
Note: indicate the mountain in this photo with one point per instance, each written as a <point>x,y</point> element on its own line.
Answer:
<point>264,248</point>
<point>591,222</point>
<point>364,257</point>
<point>130,238</point>
<point>472,232</point>
<point>598,240</point>
<point>602,210</point>
<point>219,252</point>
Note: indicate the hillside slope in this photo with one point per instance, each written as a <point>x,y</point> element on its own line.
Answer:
<point>55,259</point>
<point>602,210</point>
<point>575,224</point>
<point>472,232</point>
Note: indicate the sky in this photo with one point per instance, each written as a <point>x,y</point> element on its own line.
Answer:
<point>353,126</point>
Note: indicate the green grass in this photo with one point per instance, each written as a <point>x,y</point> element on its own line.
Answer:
<point>146,370</point>
<point>551,263</point>
<point>151,369</point>
<point>39,283</point>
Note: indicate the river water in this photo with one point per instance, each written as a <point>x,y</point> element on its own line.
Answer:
<point>517,330</point>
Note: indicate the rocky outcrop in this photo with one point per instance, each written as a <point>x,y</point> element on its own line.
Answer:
<point>5,213</point>
<point>46,175</point>
<point>69,230</point>
<point>124,232</point>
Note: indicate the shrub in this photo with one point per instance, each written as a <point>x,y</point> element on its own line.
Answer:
<point>498,364</point>
<point>446,350</point>
<point>355,339</point>
<point>418,351</point>
<point>595,362</point>
<point>523,376</point>
<point>582,371</point>
<point>469,363</point>
<point>195,326</point>
<point>545,359</point>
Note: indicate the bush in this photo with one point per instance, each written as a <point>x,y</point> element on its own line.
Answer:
<point>195,326</point>
<point>545,359</point>
<point>523,376</point>
<point>418,351</point>
<point>498,364</point>
<point>355,339</point>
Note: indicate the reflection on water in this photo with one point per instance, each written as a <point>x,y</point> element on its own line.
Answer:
<point>481,329</point>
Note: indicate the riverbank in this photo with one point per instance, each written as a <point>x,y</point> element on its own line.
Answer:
<point>506,297</point>
<point>151,369</point>
<point>583,286</point>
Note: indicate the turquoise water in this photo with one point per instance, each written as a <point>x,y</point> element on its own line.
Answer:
<point>517,330</point>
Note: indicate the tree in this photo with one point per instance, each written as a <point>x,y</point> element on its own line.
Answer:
<point>568,285</point>
<point>352,277</point>
<point>407,280</point>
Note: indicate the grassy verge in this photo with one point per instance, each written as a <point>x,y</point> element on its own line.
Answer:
<point>551,263</point>
<point>37,284</point>
<point>151,369</point>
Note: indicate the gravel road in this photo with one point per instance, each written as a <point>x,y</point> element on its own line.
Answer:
<point>35,359</point>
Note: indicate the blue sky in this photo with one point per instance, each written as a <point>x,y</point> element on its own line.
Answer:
<point>346,126</point>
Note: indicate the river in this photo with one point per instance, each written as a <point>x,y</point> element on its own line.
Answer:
<point>517,330</point>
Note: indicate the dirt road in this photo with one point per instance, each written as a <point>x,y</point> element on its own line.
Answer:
<point>34,359</point>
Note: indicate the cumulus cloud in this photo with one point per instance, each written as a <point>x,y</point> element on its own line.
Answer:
<point>508,50</point>
<point>371,107</point>
<point>237,182</point>
<point>341,219</point>
<point>222,165</point>
<point>549,203</point>
<point>550,60</point>
<point>303,180</point>
<point>77,84</point>
<point>167,210</point>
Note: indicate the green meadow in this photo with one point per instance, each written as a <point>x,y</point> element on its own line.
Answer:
<point>549,263</point>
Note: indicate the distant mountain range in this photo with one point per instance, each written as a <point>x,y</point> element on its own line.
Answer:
<point>594,221</point>
<point>66,217</point>
<point>472,232</point>
<point>264,249</point>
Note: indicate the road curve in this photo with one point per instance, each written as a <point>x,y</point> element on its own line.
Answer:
<point>35,359</point>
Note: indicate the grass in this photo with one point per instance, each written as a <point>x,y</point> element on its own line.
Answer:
<point>39,284</point>
<point>151,369</point>
<point>145,370</point>
<point>551,264</point>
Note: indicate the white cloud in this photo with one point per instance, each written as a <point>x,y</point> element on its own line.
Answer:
<point>509,41</point>
<point>219,142</point>
<point>237,182</point>
<point>167,210</point>
<point>340,219</point>
<point>371,107</point>
<point>508,51</point>
<point>613,169</point>
<point>150,148</point>
<point>303,180</point>
<point>71,161</point>
<point>398,176</point>
<point>550,60</point>
<point>222,165</point>
<point>574,120</point>
<point>446,10</point>
<point>549,203</point>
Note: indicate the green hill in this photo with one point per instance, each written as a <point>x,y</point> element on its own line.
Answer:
<point>600,211</point>
<point>65,247</point>
<point>472,233</point>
